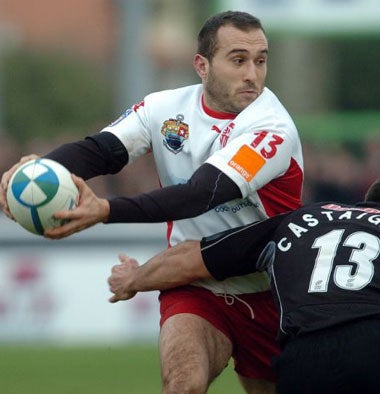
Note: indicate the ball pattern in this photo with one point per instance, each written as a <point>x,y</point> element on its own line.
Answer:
<point>37,190</point>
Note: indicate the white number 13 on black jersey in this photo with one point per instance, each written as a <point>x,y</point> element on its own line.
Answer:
<point>365,249</point>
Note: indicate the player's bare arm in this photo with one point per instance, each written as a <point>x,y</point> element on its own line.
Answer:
<point>5,181</point>
<point>179,265</point>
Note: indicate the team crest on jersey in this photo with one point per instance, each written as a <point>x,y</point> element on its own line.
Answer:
<point>175,133</point>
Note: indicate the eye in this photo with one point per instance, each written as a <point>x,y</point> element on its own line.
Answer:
<point>238,60</point>
<point>261,60</point>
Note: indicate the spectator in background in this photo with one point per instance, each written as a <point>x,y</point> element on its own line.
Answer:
<point>371,158</point>
<point>334,173</point>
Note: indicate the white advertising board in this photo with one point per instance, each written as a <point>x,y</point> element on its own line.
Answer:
<point>57,291</point>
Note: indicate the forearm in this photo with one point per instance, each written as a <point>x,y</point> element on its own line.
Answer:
<point>206,189</point>
<point>179,265</point>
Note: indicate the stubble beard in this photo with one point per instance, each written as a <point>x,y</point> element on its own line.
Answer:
<point>221,98</point>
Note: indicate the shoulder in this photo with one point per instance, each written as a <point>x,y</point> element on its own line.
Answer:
<point>174,95</point>
<point>270,99</point>
<point>268,113</point>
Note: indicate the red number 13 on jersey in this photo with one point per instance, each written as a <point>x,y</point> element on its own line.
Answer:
<point>270,146</point>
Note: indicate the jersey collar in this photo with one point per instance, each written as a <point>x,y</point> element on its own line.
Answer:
<point>216,114</point>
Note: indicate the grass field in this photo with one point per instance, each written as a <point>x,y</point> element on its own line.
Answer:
<point>72,370</point>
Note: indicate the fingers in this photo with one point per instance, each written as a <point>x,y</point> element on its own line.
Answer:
<point>3,202</point>
<point>120,295</point>
<point>71,214</point>
<point>122,258</point>
<point>71,220</point>
<point>116,298</point>
<point>79,183</point>
<point>63,231</point>
<point>113,299</point>
<point>119,280</point>
<point>5,181</point>
<point>3,192</point>
<point>86,214</point>
<point>26,158</point>
<point>126,260</point>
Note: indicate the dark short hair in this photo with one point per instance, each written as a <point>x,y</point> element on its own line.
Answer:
<point>207,41</point>
<point>373,192</point>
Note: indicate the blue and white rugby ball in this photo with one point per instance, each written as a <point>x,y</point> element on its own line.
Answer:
<point>37,190</point>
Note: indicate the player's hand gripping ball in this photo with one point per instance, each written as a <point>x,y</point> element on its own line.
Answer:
<point>37,190</point>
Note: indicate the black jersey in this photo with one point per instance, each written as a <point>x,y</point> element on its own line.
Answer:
<point>323,260</point>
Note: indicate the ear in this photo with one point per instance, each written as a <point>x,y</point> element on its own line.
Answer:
<point>201,65</point>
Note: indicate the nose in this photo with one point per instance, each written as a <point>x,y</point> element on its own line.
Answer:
<point>250,72</point>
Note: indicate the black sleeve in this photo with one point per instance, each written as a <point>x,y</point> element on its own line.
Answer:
<point>207,188</point>
<point>240,251</point>
<point>100,154</point>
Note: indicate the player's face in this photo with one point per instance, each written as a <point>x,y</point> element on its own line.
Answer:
<point>236,75</point>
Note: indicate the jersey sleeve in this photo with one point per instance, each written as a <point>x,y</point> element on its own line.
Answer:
<point>133,129</point>
<point>253,159</point>
<point>100,154</point>
<point>240,251</point>
<point>207,188</point>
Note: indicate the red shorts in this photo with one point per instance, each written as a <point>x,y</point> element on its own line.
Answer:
<point>250,321</point>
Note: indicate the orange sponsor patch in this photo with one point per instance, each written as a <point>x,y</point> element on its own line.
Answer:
<point>247,162</point>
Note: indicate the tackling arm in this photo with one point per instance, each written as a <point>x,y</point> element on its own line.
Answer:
<point>179,265</point>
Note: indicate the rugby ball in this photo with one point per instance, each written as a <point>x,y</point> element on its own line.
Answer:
<point>37,190</point>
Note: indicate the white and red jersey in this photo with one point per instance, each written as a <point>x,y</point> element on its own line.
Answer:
<point>259,149</point>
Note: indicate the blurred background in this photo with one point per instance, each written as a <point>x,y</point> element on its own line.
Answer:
<point>69,68</point>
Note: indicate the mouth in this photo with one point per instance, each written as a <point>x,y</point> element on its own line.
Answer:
<point>248,92</point>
